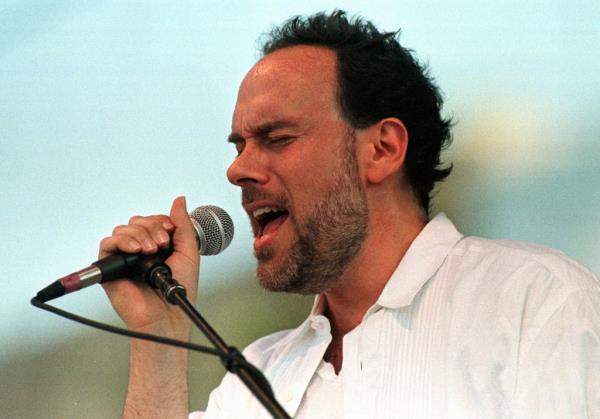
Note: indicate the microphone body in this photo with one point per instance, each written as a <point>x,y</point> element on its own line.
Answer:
<point>214,232</point>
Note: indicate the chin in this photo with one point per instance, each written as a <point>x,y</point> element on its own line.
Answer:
<point>287,280</point>
<point>269,276</point>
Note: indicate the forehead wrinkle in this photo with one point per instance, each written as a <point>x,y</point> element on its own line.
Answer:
<point>269,126</point>
<point>263,129</point>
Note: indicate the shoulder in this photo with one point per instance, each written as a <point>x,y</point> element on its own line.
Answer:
<point>521,263</point>
<point>515,284</point>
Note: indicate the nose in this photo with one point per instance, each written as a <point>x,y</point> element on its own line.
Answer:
<point>248,168</point>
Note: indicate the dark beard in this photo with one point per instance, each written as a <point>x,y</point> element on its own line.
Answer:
<point>327,242</point>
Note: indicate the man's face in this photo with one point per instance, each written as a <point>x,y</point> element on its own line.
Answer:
<point>298,171</point>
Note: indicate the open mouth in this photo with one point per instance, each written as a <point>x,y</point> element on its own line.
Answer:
<point>269,219</point>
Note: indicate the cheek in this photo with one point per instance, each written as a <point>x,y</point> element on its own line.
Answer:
<point>308,174</point>
<point>313,175</point>
<point>305,195</point>
<point>308,187</point>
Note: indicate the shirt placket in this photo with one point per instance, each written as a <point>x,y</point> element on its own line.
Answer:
<point>361,368</point>
<point>291,386</point>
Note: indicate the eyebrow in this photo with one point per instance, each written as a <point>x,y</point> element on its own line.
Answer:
<point>262,130</point>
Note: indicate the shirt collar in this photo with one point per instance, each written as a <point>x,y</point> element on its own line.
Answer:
<point>316,321</point>
<point>421,261</point>
<point>318,306</point>
<point>302,350</point>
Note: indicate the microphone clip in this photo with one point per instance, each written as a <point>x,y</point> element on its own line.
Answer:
<point>159,277</point>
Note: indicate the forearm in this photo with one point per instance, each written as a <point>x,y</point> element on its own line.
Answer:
<point>157,373</point>
<point>158,385</point>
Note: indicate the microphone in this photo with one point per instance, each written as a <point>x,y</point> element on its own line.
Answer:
<point>214,232</point>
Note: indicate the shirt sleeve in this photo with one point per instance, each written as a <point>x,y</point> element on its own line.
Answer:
<point>559,371</point>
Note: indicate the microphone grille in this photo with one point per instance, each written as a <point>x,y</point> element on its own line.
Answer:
<point>214,227</point>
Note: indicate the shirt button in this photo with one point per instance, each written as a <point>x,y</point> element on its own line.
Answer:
<point>369,364</point>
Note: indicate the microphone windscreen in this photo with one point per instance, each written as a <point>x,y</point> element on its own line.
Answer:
<point>214,227</point>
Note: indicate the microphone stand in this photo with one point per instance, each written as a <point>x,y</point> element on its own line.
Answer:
<point>159,276</point>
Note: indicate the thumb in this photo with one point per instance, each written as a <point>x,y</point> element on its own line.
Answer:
<point>184,238</point>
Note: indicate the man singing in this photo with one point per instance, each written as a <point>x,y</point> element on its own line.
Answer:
<point>338,133</point>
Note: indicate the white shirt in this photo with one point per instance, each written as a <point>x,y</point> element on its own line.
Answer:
<point>465,327</point>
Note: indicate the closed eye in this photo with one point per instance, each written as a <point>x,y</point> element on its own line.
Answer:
<point>281,140</point>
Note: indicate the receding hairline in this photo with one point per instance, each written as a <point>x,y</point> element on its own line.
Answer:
<point>311,53</point>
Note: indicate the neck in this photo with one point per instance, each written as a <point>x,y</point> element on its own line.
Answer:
<point>390,235</point>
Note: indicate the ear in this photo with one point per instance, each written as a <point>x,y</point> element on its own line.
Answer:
<point>388,143</point>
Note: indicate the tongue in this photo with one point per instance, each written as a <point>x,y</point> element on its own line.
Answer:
<point>274,224</point>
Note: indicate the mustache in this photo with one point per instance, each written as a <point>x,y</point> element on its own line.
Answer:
<point>251,193</point>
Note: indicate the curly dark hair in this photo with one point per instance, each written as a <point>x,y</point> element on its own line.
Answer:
<point>377,79</point>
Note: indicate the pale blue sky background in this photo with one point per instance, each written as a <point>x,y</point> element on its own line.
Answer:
<point>113,108</point>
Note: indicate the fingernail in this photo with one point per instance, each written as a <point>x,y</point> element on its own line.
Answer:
<point>168,225</point>
<point>163,237</point>
<point>134,245</point>
<point>184,203</point>
<point>149,244</point>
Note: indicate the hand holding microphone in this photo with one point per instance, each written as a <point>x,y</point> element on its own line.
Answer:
<point>178,240</point>
<point>138,304</point>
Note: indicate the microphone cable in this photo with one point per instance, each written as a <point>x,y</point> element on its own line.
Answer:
<point>229,360</point>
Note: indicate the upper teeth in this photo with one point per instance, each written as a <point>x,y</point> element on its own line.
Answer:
<point>257,213</point>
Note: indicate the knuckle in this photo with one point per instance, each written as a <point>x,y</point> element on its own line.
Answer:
<point>105,243</point>
<point>161,217</point>
<point>118,229</point>
<point>154,219</point>
<point>135,219</point>
<point>156,223</point>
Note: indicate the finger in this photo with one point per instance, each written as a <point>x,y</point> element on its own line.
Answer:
<point>185,234</point>
<point>121,243</point>
<point>140,234</point>
<point>155,227</point>
<point>161,218</point>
